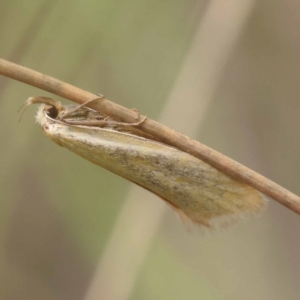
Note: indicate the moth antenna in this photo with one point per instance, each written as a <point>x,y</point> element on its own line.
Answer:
<point>24,105</point>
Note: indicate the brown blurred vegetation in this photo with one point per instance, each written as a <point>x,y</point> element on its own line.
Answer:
<point>58,211</point>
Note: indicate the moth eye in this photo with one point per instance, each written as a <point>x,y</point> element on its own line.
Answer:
<point>52,112</point>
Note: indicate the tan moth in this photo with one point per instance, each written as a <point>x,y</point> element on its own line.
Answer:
<point>196,190</point>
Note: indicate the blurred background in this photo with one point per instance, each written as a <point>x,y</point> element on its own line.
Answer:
<point>223,72</point>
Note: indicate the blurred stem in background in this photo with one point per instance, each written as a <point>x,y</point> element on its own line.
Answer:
<point>141,216</point>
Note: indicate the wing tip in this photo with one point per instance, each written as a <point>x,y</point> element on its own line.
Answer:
<point>255,205</point>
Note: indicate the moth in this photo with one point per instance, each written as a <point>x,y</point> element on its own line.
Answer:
<point>197,191</point>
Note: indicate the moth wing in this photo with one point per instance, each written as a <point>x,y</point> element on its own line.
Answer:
<point>196,190</point>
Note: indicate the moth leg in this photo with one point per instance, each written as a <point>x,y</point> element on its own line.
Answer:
<point>134,124</point>
<point>67,113</point>
<point>106,122</point>
<point>113,122</point>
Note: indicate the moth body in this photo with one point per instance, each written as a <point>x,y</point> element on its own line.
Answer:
<point>196,190</point>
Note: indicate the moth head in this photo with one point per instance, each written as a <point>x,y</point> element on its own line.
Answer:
<point>50,108</point>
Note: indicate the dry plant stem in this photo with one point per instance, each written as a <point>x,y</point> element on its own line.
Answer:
<point>159,131</point>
